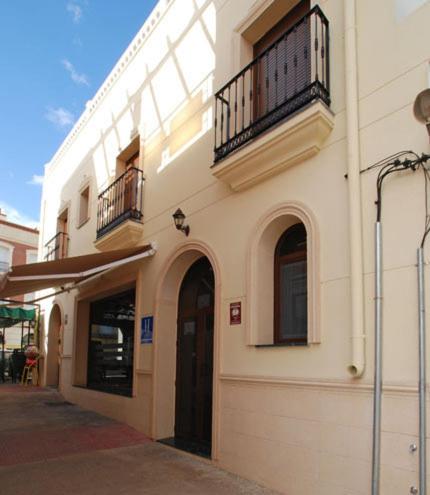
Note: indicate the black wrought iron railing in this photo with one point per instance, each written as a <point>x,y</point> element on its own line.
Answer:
<point>121,201</point>
<point>56,248</point>
<point>287,76</point>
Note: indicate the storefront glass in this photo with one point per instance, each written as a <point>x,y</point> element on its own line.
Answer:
<point>111,344</point>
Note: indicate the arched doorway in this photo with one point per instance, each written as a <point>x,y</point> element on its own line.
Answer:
<point>53,351</point>
<point>194,359</point>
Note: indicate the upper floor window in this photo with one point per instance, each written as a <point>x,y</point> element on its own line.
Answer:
<point>281,27</point>
<point>122,200</point>
<point>273,82</point>
<point>289,71</point>
<point>5,258</point>
<point>133,161</point>
<point>57,247</point>
<point>31,256</point>
<point>84,205</point>
<point>291,291</point>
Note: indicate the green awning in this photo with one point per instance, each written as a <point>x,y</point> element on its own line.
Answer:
<point>11,316</point>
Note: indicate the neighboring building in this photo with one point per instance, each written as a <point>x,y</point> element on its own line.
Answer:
<point>18,246</point>
<point>262,349</point>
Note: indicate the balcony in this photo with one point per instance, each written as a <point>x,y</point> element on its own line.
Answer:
<point>287,88</point>
<point>56,248</point>
<point>120,211</point>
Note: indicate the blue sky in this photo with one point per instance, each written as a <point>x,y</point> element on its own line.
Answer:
<point>54,54</point>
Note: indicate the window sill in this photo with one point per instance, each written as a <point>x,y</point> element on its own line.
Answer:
<point>286,344</point>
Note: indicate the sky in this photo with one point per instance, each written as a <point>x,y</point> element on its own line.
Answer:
<point>54,55</point>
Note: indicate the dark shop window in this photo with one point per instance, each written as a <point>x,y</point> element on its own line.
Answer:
<point>111,344</point>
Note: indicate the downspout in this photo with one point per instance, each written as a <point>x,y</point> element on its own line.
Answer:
<point>422,373</point>
<point>357,365</point>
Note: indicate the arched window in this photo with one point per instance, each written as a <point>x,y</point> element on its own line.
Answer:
<point>291,288</point>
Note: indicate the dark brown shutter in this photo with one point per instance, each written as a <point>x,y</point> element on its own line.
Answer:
<point>282,26</point>
<point>273,84</point>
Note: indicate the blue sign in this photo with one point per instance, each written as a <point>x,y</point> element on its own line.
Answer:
<point>146,330</point>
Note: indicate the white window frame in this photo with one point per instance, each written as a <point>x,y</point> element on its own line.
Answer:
<point>10,248</point>
<point>30,252</point>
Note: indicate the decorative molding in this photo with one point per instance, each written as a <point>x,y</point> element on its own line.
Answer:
<point>255,23</point>
<point>125,235</point>
<point>159,304</point>
<point>315,384</point>
<point>299,138</point>
<point>133,48</point>
<point>306,216</point>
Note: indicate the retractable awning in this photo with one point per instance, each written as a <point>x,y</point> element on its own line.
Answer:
<point>10,316</point>
<point>22,279</point>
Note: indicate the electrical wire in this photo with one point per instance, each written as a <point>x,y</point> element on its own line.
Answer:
<point>390,159</point>
<point>392,164</point>
<point>426,199</point>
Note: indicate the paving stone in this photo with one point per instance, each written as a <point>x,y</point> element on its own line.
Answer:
<point>61,448</point>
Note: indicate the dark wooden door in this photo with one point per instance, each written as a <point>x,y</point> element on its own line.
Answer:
<point>130,184</point>
<point>194,364</point>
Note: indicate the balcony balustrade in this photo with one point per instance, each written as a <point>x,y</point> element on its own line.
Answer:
<point>56,248</point>
<point>121,201</point>
<point>286,77</point>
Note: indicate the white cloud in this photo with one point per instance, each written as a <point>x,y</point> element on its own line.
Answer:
<point>14,216</point>
<point>74,74</point>
<point>76,11</point>
<point>36,180</point>
<point>60,116</point>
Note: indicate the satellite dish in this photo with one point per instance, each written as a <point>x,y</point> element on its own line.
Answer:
<point>422,107</point>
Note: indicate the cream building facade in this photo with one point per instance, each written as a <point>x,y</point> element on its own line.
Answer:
<point>276,229</point>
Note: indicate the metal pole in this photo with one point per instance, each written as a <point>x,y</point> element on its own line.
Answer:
<point>377,390</point>
<point>422,372</point>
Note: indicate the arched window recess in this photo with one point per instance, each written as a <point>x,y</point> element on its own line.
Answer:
<point>291,288</point>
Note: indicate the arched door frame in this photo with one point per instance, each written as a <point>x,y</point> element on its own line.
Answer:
<point>56,307</point>
<point>175,268</point>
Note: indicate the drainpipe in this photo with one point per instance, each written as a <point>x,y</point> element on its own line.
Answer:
<point>422,373</point>
<point>377,390</point>
<point>357,365</point>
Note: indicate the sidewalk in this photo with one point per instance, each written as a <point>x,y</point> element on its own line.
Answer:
<point>49,446</point>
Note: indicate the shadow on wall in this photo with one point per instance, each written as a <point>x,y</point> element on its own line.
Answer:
<point>163,96</point>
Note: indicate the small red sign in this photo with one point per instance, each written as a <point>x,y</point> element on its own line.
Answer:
<point>235,313</point>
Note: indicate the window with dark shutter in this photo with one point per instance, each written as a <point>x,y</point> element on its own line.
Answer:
<point>285,70</point>
<point>291,291</point>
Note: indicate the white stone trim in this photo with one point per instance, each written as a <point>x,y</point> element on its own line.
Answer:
<point>11,248</point>
<point>303,214</point>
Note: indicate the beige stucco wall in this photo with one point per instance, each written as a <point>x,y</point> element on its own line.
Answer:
<point>292,417</point>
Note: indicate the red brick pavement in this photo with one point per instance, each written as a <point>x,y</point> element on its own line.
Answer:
<point>19,389</point>
<point>30,446</point>
<point>51,441</point>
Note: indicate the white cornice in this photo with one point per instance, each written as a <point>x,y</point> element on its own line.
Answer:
<point>133,48</point>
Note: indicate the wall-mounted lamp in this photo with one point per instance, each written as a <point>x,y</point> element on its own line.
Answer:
<point>422,108</point>
<point>179,218</point>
